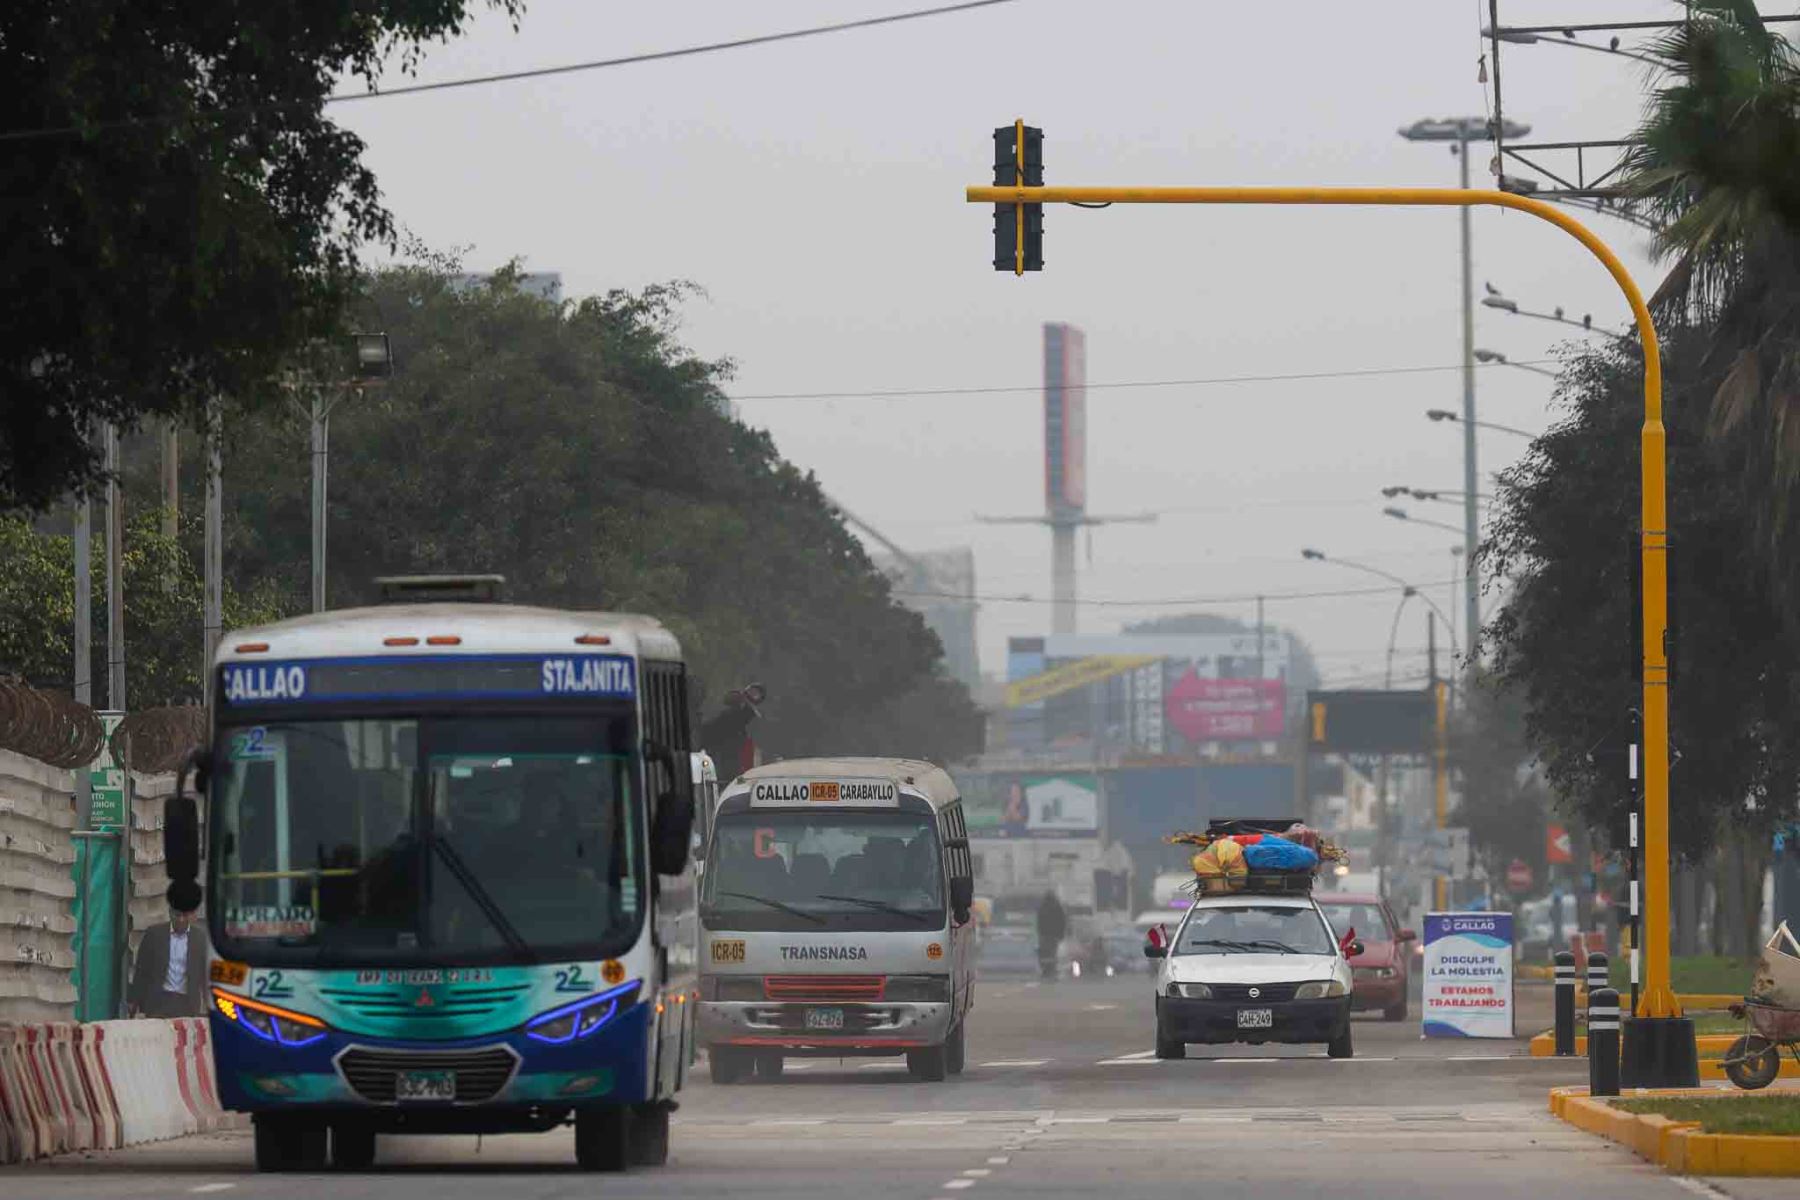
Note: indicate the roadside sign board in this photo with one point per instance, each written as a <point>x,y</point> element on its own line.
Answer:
<point>106,776</point>
<point>1468,988</point>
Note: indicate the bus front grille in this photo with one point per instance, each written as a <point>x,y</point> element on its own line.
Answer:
<point>479,1073</point>
<point>850,988</point>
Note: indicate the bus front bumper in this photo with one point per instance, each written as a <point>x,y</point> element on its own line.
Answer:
<point>824,1028</point>
<point>501,1071</point>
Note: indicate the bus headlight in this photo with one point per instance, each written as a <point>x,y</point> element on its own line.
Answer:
<point>279,1025</point>
<point>1321,989</point>
<point>567,1022</point>
<point>917,989</point>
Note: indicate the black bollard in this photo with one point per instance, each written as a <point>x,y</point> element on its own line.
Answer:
<point>1603,1042</point>
<point>1597,974</point>
<point>1565,1004</point>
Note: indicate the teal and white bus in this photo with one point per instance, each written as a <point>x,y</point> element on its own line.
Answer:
<point>449,885</point>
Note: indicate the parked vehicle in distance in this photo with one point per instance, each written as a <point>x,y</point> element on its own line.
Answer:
<point>1382,974</point>
<point>1006,951</point>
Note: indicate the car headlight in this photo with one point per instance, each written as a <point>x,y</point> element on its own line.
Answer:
<point>1375,972</point>
<point>581,1018</point>
<point>280,1025</point>
<point>917,989</point>
<point>1190,991</point>
<point>1319,989</point>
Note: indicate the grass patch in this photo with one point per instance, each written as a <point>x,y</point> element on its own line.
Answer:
<point>1695,973</point>
<point>1705,1023</point>
<point>1733,1114</point>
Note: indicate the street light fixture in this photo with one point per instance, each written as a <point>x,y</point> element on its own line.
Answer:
<point>1521,37</point>
<point>1400,514</point>
<point>374,363</point>
<point>1313,555</point>
<point>1497,358</point>
<point>1444,414</point>
<point>1434,495</point>
<point>1461,131</point>
<point>1497,300</point>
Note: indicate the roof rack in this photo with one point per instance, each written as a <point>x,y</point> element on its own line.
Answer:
<point>440,589</point>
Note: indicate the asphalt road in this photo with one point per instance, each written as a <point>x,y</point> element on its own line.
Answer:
<point>1061,1098</point>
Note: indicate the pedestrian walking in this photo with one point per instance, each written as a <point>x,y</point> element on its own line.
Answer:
<point>168,978</point>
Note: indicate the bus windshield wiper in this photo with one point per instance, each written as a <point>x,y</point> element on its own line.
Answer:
<point>815,918</point>
<point>483,900</point>
<point>883,905</point>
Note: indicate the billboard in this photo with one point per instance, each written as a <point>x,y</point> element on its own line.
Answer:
<point>1065,418</point>
<point>1065,805</point>
<point>1220,710</point>
<point>1468,990</point>
<point>1372,721</point>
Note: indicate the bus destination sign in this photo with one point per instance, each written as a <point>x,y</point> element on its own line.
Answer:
<point>497,677</point>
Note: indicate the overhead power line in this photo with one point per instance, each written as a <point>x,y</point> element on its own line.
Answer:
<point>626,60</point>
<point>1243,598</point>
<point>1287,377</point>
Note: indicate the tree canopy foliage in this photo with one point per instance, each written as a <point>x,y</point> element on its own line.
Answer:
<point>583,453</point>
<point>180,215</point>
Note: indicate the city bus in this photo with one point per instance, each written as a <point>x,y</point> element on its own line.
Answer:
<point>448,880</point>
<point>835,918</point>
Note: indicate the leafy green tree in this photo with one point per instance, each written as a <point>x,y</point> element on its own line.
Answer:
<point>180,215</point>
<point>583,453</point>
<point>163,634</point>
<point>1565,530</point>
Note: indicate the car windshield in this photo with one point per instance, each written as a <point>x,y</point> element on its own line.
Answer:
<point>1254,929</point>
<point>795,870</point>
<point>1367,920</point>
<point>440,839</point>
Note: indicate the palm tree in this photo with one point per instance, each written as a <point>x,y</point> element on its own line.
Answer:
<point>1717,169</point>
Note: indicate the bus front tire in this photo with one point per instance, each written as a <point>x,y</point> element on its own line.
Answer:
<point>955,1051</point>
<point>289,1143</point>
<point>603,1138</point>
<point>769,1065</point>
<point>730,1064</point>
<point>352,1147</point>
<point>928,1064</point>
<point>650,1136</point>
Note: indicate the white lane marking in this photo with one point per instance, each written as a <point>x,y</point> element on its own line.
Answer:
<point>1101,1007</point>
<point>977,1172</point>
<point>1016,1062</point>
<point>957,1184</point>
<point>1243,1060</point>
<point>999,1160</point>
<point>767,1122</point>
<point>1488,1058</point>
<point>1075,1120</point>
<point>212,1187</point>
<point>1211,1119</point>
<point>931,1121</point>
<point>1353,1060</point>
<point>1126,1062</point>
<point>1699,1187</point>
<point>1140,1054</point>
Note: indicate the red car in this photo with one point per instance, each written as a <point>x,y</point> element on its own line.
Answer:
<point>1382,973</point>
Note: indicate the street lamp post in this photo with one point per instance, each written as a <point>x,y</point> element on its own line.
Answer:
<point>1444,414</point>
<point>1461,131</point>
<point>374,361</point>
<point>1432,495</point>
<point>1313,555</point>
<point>1400,514</point>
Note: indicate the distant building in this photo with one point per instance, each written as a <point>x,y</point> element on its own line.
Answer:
<point>939,585</point>
<point>545,285</point>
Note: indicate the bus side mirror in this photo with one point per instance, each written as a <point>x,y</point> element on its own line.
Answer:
<point>671,833</point>
<point>962,898</point>
<point>181,820</point>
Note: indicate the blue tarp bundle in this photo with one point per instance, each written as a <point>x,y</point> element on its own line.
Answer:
<point>1274,853</point>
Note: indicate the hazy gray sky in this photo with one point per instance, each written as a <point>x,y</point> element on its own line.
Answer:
<point>815,190</point>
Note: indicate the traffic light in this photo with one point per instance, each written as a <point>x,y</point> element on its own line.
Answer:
<point>1018,228</point>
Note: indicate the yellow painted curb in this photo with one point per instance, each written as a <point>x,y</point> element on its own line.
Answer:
<point>1677,1145</point>
<point>1711,1046</point>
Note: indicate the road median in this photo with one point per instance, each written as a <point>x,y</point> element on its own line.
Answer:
<point>1694,1131</point>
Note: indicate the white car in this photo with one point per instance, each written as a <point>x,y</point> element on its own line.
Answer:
<point>1249,967</point>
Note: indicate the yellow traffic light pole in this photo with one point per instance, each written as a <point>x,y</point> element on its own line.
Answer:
<point>1658,998</point>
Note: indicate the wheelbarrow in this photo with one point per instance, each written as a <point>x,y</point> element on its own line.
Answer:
<point>1754,1060</point>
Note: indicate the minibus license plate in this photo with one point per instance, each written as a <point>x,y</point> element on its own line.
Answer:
<point>425,1085</point>
<point>1256,1018</point>
<point>824,1018</point>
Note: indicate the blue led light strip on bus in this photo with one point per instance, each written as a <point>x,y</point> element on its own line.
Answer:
<point>415,677</point>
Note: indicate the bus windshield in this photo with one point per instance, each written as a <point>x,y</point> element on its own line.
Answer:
<point>805,870</point>
<point>440,839</point>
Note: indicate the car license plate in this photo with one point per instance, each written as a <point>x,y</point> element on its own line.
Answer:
<point>1256,1018</point>
<point>425,1085</point>
<point>824,1018</point>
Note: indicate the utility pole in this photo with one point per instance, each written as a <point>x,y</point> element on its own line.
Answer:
<point>115,573</point>
<point>374,362</point>
<point>214,599</point>
<point>171,492</point>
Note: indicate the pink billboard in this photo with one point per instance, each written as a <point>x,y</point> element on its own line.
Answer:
<point>1224,710</point>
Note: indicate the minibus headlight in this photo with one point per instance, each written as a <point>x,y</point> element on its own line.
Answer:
<point>567,1022</point>
<point>917,989</point>
<point>732,988</point>
<point>1319,989</point>
<point>280,1025</point>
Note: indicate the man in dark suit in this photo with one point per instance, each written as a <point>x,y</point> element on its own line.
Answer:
<point>169,977</point>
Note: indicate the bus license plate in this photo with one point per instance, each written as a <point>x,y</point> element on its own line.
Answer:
<point>824,1018</point>
<point>1256,1018</point>
<point>425,1085</point>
